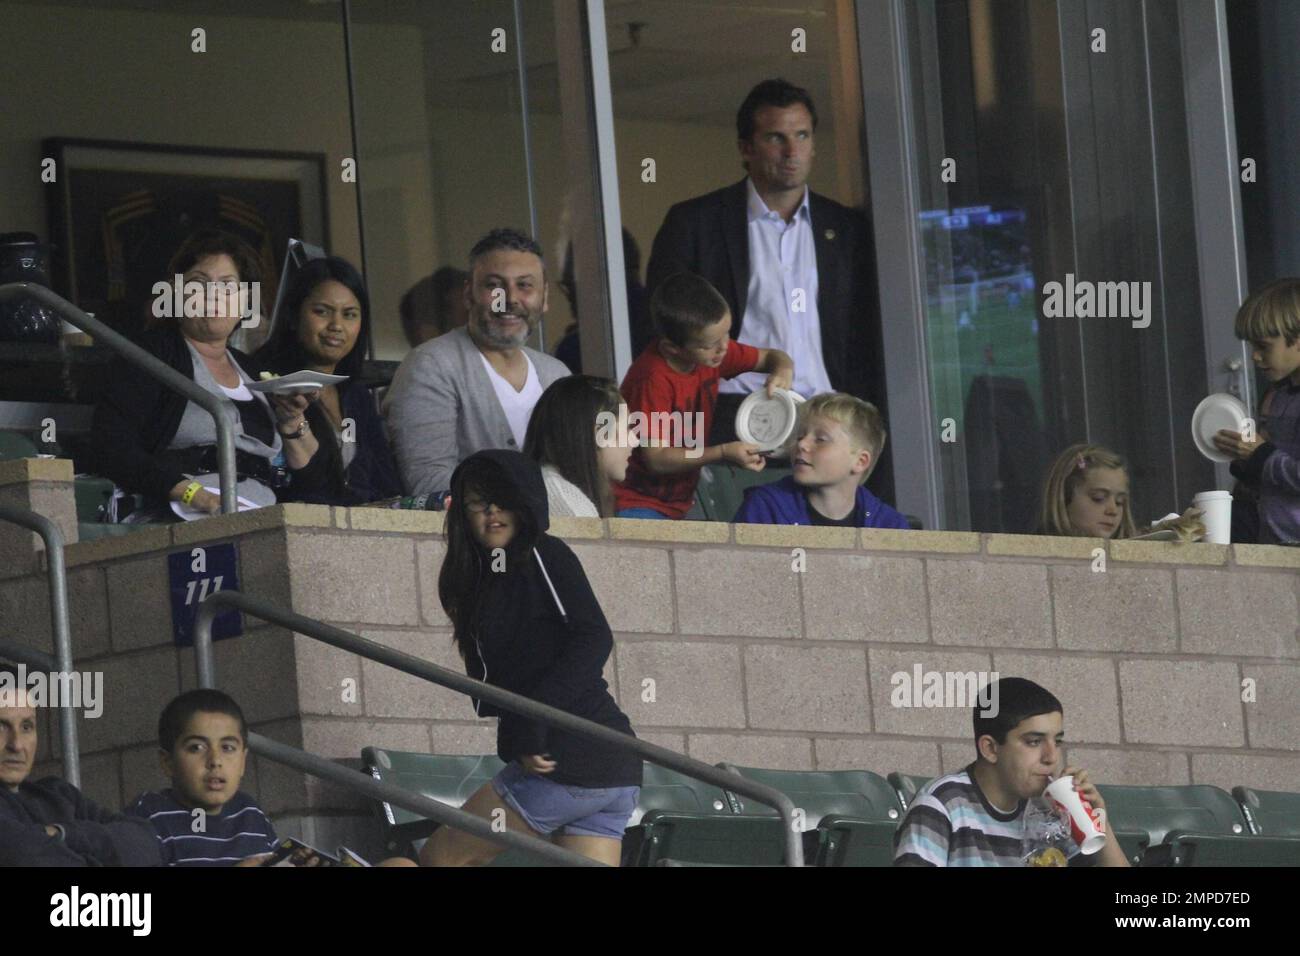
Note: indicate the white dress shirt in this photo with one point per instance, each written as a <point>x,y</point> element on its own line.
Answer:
<point>782,261</point>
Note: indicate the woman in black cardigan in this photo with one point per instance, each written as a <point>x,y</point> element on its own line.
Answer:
<point>152,441</point>
<point>525,620</point>
<point>324,325</point>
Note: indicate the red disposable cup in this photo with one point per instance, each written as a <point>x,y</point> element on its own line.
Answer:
<point>1084,830</point>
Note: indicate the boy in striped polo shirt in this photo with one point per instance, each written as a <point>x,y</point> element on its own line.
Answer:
<point>204,819</point>
<point>980,816</point>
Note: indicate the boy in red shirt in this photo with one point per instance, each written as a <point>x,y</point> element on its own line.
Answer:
<point>671,390</point>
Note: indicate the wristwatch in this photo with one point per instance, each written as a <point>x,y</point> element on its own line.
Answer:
<point>294,435</point>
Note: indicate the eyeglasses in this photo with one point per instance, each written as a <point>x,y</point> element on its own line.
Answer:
<point>479,505</point>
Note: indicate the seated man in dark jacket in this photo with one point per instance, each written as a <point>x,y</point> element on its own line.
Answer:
<point>49,822</point>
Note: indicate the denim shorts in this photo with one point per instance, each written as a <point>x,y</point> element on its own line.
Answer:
<point>548,807</point>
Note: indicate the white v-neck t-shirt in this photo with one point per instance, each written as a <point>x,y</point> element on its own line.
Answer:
<point>518,406</point>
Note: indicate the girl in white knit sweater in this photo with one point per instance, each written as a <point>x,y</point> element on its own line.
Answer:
<point>577,455</point>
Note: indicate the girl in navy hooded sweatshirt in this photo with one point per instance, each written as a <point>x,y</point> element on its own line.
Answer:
<point>525,620</point>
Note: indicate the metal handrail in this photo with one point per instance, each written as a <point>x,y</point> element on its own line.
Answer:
<point>53,537</point>
<point>516,703</point>
<point>435,810</point>
<point>151,364</point>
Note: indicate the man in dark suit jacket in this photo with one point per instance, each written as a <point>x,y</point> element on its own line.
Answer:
<point>765,242</point>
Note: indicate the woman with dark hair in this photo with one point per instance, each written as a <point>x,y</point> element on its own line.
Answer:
<point>151,441</point>
<point>578,463</point>
<point>525,620</point>
<point>324,326</point>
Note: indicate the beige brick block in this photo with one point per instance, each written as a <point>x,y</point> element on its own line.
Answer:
<point>25,612</point>
<point>1120,609</point>
<point>1274,716</point>
<point>696,684</point>
<point>691,532</point>
<point>321,674</point>
<point>1181,702</point>
<point>342,737</point>
<point>807,688</point>
<point>1086,687</point>
<point>633,586</point>
<point>460,738</point>
<point>571,528</point>
<point>1228,770</point>
<point>1129,768</point>
<point>353,578</point>
<point>674,742</point>
<point>859,598</point>
<point>217,527</point>
<point>101,780</point>
<point>1042,545</point>
<point>264,567</point>
<point>1243,615</point>
<point>136,687</point>
<point>989,604</point>
<point>256,668</point>
<point>894,670</point>
<point>45,487</point>
<point>279,788</point>
<point>754,593</point>
<point>930,542</point>
<point>142,771</point>
<point>143,540</point>
<point>400,521</point>
<point>390,693</point>
<point>877,754</point>
<point>956,756</point>
<point>23,471</point>
<point>139,603</point>
<point>753,750</point>
<point>429,557</point>
<point>795,536</point>
<point>1169,552</point>
<point>297,515</point>
<point>1266,556</point>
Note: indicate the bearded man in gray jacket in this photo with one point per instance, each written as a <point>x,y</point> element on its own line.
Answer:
<point>476,386</point>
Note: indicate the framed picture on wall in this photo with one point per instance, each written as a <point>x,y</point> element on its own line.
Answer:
<point>119,211</point>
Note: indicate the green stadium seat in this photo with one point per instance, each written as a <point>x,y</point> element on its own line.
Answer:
<point>1201,849</point>
<point>721,488</point>
<point>1270,812</point>
<point>1157,810</point>
<point>449,779</point>
<point>700,839</point>
<point>15,445</point>
<point>907,786</point>
<point>664,789</point>
<point>845,841</point>
<point>1142,816</point>
<point>93,496</point>
<point>860,794</point>
<point>667,790</point>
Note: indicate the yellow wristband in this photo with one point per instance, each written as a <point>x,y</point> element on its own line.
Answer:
<point>192,489</point>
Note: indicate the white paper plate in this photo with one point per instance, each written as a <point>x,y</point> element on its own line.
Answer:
<point>304,381</point>
<point>768,422</point>
<point>189,514</point>
<point>1216,412</point>
<point>1164,534</point>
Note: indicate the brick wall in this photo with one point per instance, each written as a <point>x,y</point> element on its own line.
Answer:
<point>762,646</point>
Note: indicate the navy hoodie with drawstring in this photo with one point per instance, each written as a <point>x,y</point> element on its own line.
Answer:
<point>539,631</point>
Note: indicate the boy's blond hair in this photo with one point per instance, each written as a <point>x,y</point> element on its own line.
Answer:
<point>860,419</point>
<point>1272,310</point>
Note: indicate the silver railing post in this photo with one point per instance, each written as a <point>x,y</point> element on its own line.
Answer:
<point>53,538</point>
<point>151,364</point>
